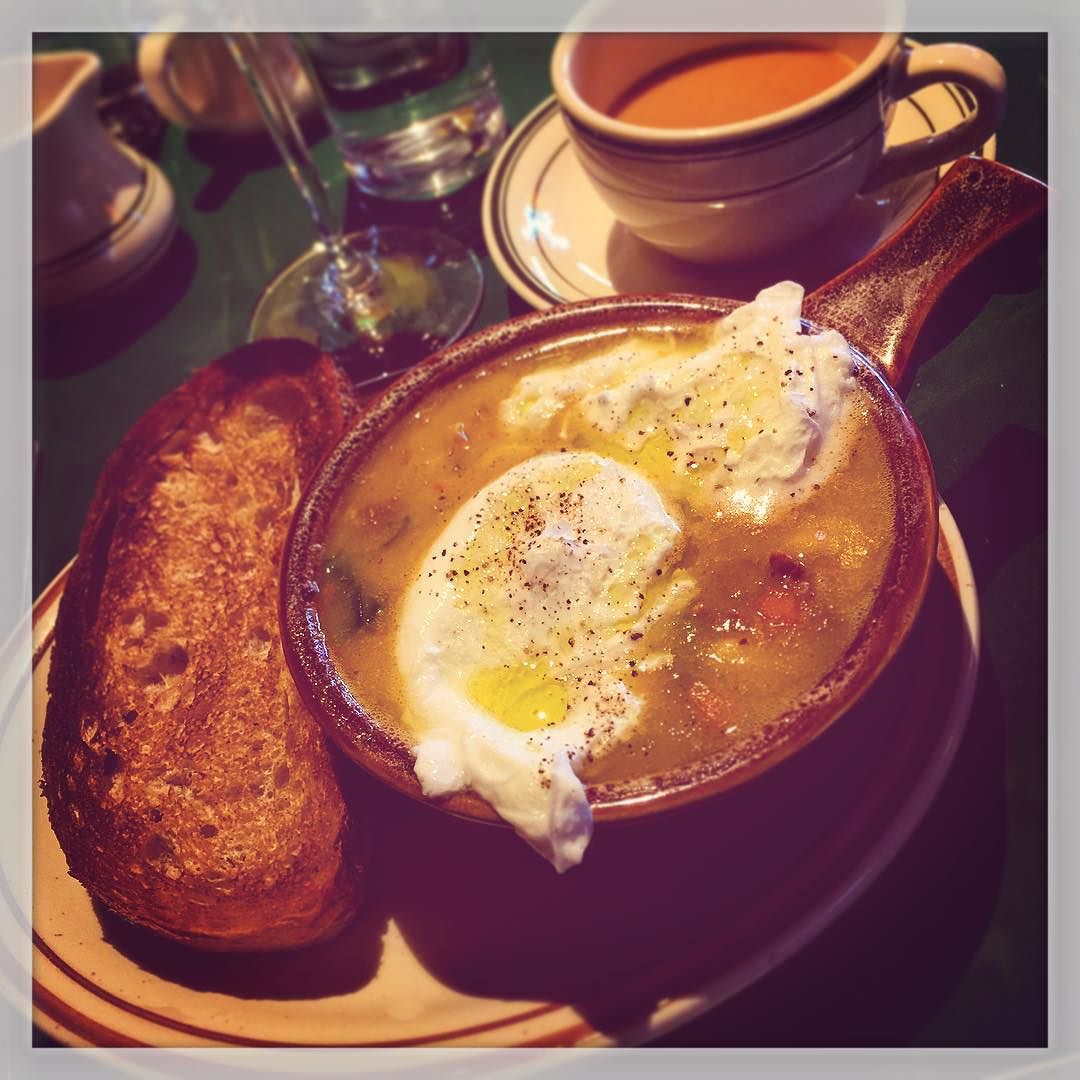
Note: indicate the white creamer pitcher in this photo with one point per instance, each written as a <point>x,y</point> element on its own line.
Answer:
<point>102,213</point>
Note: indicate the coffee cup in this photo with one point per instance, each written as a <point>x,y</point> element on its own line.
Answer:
<point>732,146</point>
<point>193,80</point>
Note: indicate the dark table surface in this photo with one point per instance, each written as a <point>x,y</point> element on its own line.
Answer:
<point>949,946</point>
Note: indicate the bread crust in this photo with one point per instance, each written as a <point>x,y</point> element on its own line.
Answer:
<point>189,788</point>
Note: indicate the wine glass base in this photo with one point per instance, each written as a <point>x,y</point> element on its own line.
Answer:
<point>423,291</point>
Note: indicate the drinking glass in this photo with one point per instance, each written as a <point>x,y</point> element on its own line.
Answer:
<point>415,116</point>
<point>381,298</point>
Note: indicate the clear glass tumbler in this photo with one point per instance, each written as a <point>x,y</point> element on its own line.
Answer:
<point>416,116</point>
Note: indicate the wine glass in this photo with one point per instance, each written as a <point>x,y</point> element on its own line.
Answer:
<point>379,299</point>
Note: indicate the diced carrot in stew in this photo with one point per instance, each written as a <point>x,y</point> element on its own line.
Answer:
<point>782,602</point>
<point>709,706</point>
<point>780,605</point>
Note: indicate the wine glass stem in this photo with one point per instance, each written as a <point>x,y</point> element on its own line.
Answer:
<point>350,270</point>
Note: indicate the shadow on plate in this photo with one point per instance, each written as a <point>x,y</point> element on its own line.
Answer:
<point>340,966</point>
<point>661,905</point>
<point>878,976</point>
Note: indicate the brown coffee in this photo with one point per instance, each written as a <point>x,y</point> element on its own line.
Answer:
<point>730,84</point>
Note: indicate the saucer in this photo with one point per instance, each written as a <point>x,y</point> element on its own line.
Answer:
<point>470,940</point>
<point>554,240</point>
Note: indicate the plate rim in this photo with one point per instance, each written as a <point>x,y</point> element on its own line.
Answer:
<point>687,1005</point>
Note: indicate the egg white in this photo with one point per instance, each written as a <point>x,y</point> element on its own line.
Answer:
<point>550,579</point>
<point>751,421</point>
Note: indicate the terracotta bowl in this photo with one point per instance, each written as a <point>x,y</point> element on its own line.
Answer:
<point>880,362</point>
<point>890,616</point>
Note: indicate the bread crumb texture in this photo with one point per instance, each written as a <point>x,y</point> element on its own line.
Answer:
<point>189,787</point>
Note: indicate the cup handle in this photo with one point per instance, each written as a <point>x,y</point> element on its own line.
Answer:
<point>924,65</point>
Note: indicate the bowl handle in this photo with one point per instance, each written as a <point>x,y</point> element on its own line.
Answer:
<point>881,302</point>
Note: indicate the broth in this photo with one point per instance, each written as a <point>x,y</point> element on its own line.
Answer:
<point>779,601</point>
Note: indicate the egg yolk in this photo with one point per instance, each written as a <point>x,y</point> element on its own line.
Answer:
<point>524,697</point>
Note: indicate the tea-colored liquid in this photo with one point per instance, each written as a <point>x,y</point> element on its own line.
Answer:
<point>731,84</point>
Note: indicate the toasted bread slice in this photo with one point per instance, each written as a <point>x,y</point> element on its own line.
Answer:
<point>189,788</point>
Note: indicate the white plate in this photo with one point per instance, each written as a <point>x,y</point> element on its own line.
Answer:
<point>554,240</point>
<point>469,939</point>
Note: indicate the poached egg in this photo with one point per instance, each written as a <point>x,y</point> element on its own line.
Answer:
<point>521,635</point>
<point>744,422</point>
